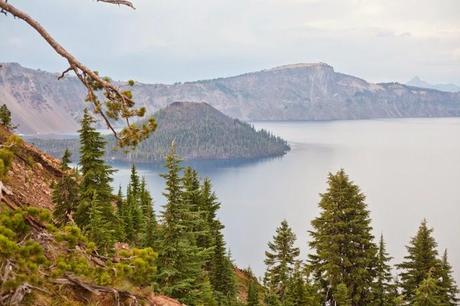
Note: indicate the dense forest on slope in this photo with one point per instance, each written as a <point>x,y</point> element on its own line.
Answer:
<point>198,130</point>
<point>42,104</point>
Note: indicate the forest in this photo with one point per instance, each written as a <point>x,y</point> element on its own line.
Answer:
<point>198,130</point>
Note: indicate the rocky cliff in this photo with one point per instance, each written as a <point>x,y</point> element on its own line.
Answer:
<point>41,103</point>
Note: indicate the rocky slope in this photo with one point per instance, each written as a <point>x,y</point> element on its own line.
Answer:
<point>41,103</point>
<point>198,130</point>
<point>36,257</point>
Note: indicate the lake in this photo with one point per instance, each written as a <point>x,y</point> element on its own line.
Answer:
<point>409,169</point>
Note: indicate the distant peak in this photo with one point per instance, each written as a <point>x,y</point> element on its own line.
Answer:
<point>302,65</point>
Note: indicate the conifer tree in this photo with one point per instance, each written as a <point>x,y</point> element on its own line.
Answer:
<point>135,216</point>
<point>150,235</point>
<point>218,264</point>
<point>180,261</point>
<point>5,117</point>
<point>65,193</point>
<point>341,295</point>
<point>280,260</point>
<point>420,262</point>
<point>449,290</point>
<point>300,292</point>
<point>427,293</point>
<point>383,288</point>
<point>253,291</point>
<point>344,252</point>
<point>95,189</point>
<point>98,228</point>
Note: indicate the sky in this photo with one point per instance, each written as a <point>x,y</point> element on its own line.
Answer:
<point>167,41</point>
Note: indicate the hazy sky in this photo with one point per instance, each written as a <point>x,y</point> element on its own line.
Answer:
<point>179,40</point>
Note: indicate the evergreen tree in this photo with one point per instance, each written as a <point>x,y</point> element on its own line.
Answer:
<point>95,189</point>
<point>65,193</point>
<point>135,215</point>
<point>427,292</point>
<point>98,228</point>
<point>221,273</point>
<point>449,290</point>
<point>342,242</point>
<point>5,117</point>
<point>299,291</point>
<point>383,288</point>
<point>253,291</point>
<point>150,235</point>
<point>218,265</point>
<point>341,295</point>
<point>180,261</point>
<point>280,260</point>
<point>420,262</point>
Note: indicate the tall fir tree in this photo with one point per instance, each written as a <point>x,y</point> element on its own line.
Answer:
<point>219,265</point>
<point>344,251</point>
<point>300,292</point>
<point>65,194</point>
<point>180,262</point>
<point>427,293</point>
<point>421,260</point>
<point>95,189</point>
<point>135,216</point>
<point>280,260</point>
<point>449,290</point>
<point>384,290</point>
<point>253,291</point>
<point>151,225</point>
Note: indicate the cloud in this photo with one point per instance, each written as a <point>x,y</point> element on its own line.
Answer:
<point>176,40</point>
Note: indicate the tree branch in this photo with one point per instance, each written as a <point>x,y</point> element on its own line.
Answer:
<point>92,81</point>
<point>118,2</point>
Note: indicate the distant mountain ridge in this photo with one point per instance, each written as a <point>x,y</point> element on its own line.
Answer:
<point>198,130</point>
<point>40,103</point>
<point>416,81</point>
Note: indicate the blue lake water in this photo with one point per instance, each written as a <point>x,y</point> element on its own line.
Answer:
<point>408,168</point>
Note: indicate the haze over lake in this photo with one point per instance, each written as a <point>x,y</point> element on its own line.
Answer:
<point>409,169</point>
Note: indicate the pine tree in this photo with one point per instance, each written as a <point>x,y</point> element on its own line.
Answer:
<point>300,292</point>
<point>95,189</point>
<point>342,242</point>
<point>280,260</point>
<point>449,290</point>
<point>427,293</point>
<point>5,117</point>
<point>135,216</point>
<point>421,261</point>
<point>253,291</point>
<point>383,288</point>
<point>98,228</point>
<point>341,295</point>
<point>65,193</point>
<point>150,235</point>
<point>180,261</point>
<point>218,265</point>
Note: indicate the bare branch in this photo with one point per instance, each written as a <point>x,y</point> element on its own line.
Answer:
<point>119,103</point>
<point>119,2</point>
<point>64,72</point>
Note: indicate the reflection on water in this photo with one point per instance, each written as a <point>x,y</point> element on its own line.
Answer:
<point>408,168</point>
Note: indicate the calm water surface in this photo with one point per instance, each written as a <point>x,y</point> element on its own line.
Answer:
<point>408,168</point>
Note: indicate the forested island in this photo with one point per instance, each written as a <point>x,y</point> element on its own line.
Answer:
<point>198,130</point>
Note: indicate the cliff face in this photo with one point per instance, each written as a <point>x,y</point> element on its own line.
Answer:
<point>38,101</point>
<point>41,103</point>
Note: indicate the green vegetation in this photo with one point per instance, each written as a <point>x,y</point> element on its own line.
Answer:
<point>5,118</point>
<point>199,132</point>
<point>96,238</point>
